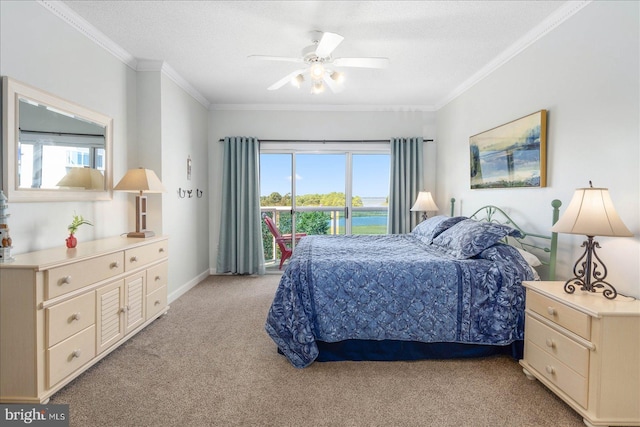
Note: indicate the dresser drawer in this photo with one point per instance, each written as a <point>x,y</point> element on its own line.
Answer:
<point>70,354</point>
<point>157,277</point>
<point>138,257</point>
<point>563,348</point>
<point>563,377</point>
<point>70,317</point>
<point>67,278</point>
<point>156,302</point>
<point>577,322</point>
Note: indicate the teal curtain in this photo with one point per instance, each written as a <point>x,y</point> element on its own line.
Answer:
<point>240,247</point>
<point>406,182</point>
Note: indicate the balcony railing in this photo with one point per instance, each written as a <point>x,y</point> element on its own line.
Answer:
<point>365,220</point>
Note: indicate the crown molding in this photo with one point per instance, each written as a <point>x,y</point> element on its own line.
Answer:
<point>68,15</point>
<point>563,13</point>
<point>167,70</point>
<point>322,107</point>
<point>65,13</point>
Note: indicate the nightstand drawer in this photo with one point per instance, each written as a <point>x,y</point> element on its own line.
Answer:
<point>563,348</point>
<point>70,317</point>
<point>577,322</point>
<point>563,377</point>
<point>71,354</point>
<point>67,278</point>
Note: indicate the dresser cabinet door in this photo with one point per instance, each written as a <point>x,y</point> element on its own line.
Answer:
<point>134,301</point>
<point>109,321</point>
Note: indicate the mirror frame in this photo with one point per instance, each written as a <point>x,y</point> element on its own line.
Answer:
<point>12,91</point>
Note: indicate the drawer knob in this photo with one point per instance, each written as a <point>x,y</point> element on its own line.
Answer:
<point>65,280</point>
<point>157,302</point>
<point>122,310</point>
<point>133,259</point>
<point>552,311</point>
<point>161,250</point>
<point>550,370</point>
<point>550,343</point>
<point>75,316</point>
<point>76,353</point>
<point>115,264</point>
<point>157,278</point>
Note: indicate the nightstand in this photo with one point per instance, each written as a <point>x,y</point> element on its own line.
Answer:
<point>586,349</point>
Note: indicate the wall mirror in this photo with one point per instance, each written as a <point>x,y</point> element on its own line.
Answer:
<point>53,149</point>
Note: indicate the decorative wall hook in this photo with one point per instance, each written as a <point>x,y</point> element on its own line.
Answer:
<point>189,193</point>
<point>182,193</point>
<point>199,193</point>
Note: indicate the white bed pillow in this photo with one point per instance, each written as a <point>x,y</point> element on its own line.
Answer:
<point>531,259</point>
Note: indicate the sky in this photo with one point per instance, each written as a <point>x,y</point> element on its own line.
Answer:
<point>325,173</point>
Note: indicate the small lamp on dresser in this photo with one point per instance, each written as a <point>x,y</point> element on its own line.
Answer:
<point>140,181</point>
<point>424,203</point>
<point>591,213</point>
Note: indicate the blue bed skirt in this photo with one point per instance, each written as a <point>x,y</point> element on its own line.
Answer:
<point>361,350</point>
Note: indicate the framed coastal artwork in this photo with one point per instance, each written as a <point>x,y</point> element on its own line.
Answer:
<point>511,155</point>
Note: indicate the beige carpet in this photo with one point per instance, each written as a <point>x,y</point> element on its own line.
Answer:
<point>209,362</point>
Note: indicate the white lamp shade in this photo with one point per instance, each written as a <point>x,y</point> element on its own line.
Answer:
<point>80,177</point>
<point>591,213</point>
<point>140,181</point>
<point>424,203</point>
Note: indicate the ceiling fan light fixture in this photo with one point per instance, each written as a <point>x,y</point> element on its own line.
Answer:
<point>317,88</point>
<point>317,71</point>
<point>297,80</point>
<point>337,77</point>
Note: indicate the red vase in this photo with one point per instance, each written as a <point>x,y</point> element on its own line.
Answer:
<point>71,241</point>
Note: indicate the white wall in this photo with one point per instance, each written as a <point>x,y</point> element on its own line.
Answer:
<point>186,220</point>
<point>41,50</point>
<point>586,74</point>
<point>330,125</point>
<point>156,124</point>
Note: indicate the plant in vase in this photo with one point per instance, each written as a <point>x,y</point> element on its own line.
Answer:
<point>78,220</point>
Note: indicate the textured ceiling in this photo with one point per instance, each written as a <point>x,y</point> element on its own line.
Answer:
<point>435,48</point>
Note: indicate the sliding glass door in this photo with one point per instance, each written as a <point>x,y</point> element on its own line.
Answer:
<point>332,193</point>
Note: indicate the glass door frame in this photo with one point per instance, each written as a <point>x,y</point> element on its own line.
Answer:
<point>348,149</point>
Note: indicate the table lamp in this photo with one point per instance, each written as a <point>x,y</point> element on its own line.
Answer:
<point>424,203</point>
<point>140,181</point>
<point>83,177</point>
<point>591,213</point>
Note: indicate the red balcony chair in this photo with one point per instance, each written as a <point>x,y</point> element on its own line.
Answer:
<point>283,240</point>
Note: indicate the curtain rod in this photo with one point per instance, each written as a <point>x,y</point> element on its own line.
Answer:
<point>323,141</point>
<point>46,132</point>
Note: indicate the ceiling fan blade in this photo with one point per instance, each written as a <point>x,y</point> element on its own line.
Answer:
<point>361,62</point>
<point>275,58</point>
<point>283,81</point>
<point>327,44</point>
<point>335,87</point>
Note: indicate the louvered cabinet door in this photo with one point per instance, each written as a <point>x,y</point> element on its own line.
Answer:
<point>110,320</point>
<point>135,298</point>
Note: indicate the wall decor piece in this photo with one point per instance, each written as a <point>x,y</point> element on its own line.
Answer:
<point>511,155</point>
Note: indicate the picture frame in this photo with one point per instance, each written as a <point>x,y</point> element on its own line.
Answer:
<point>511,155</point>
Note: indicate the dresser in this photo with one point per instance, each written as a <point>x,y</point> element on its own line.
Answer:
<point>62,310</point>
<point>586,349</point>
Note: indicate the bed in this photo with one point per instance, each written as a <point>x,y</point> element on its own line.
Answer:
<point>449,289</point>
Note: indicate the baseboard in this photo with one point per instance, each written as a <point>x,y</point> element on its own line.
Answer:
<point>187,286</point>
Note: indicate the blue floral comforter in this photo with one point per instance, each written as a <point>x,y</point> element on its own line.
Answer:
<point>395,287</point>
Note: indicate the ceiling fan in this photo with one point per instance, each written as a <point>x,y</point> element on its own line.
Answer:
<point>320,65</point>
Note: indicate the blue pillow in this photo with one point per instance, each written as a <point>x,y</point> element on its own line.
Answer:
<point>430,228</point>
<point>469,237</point>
